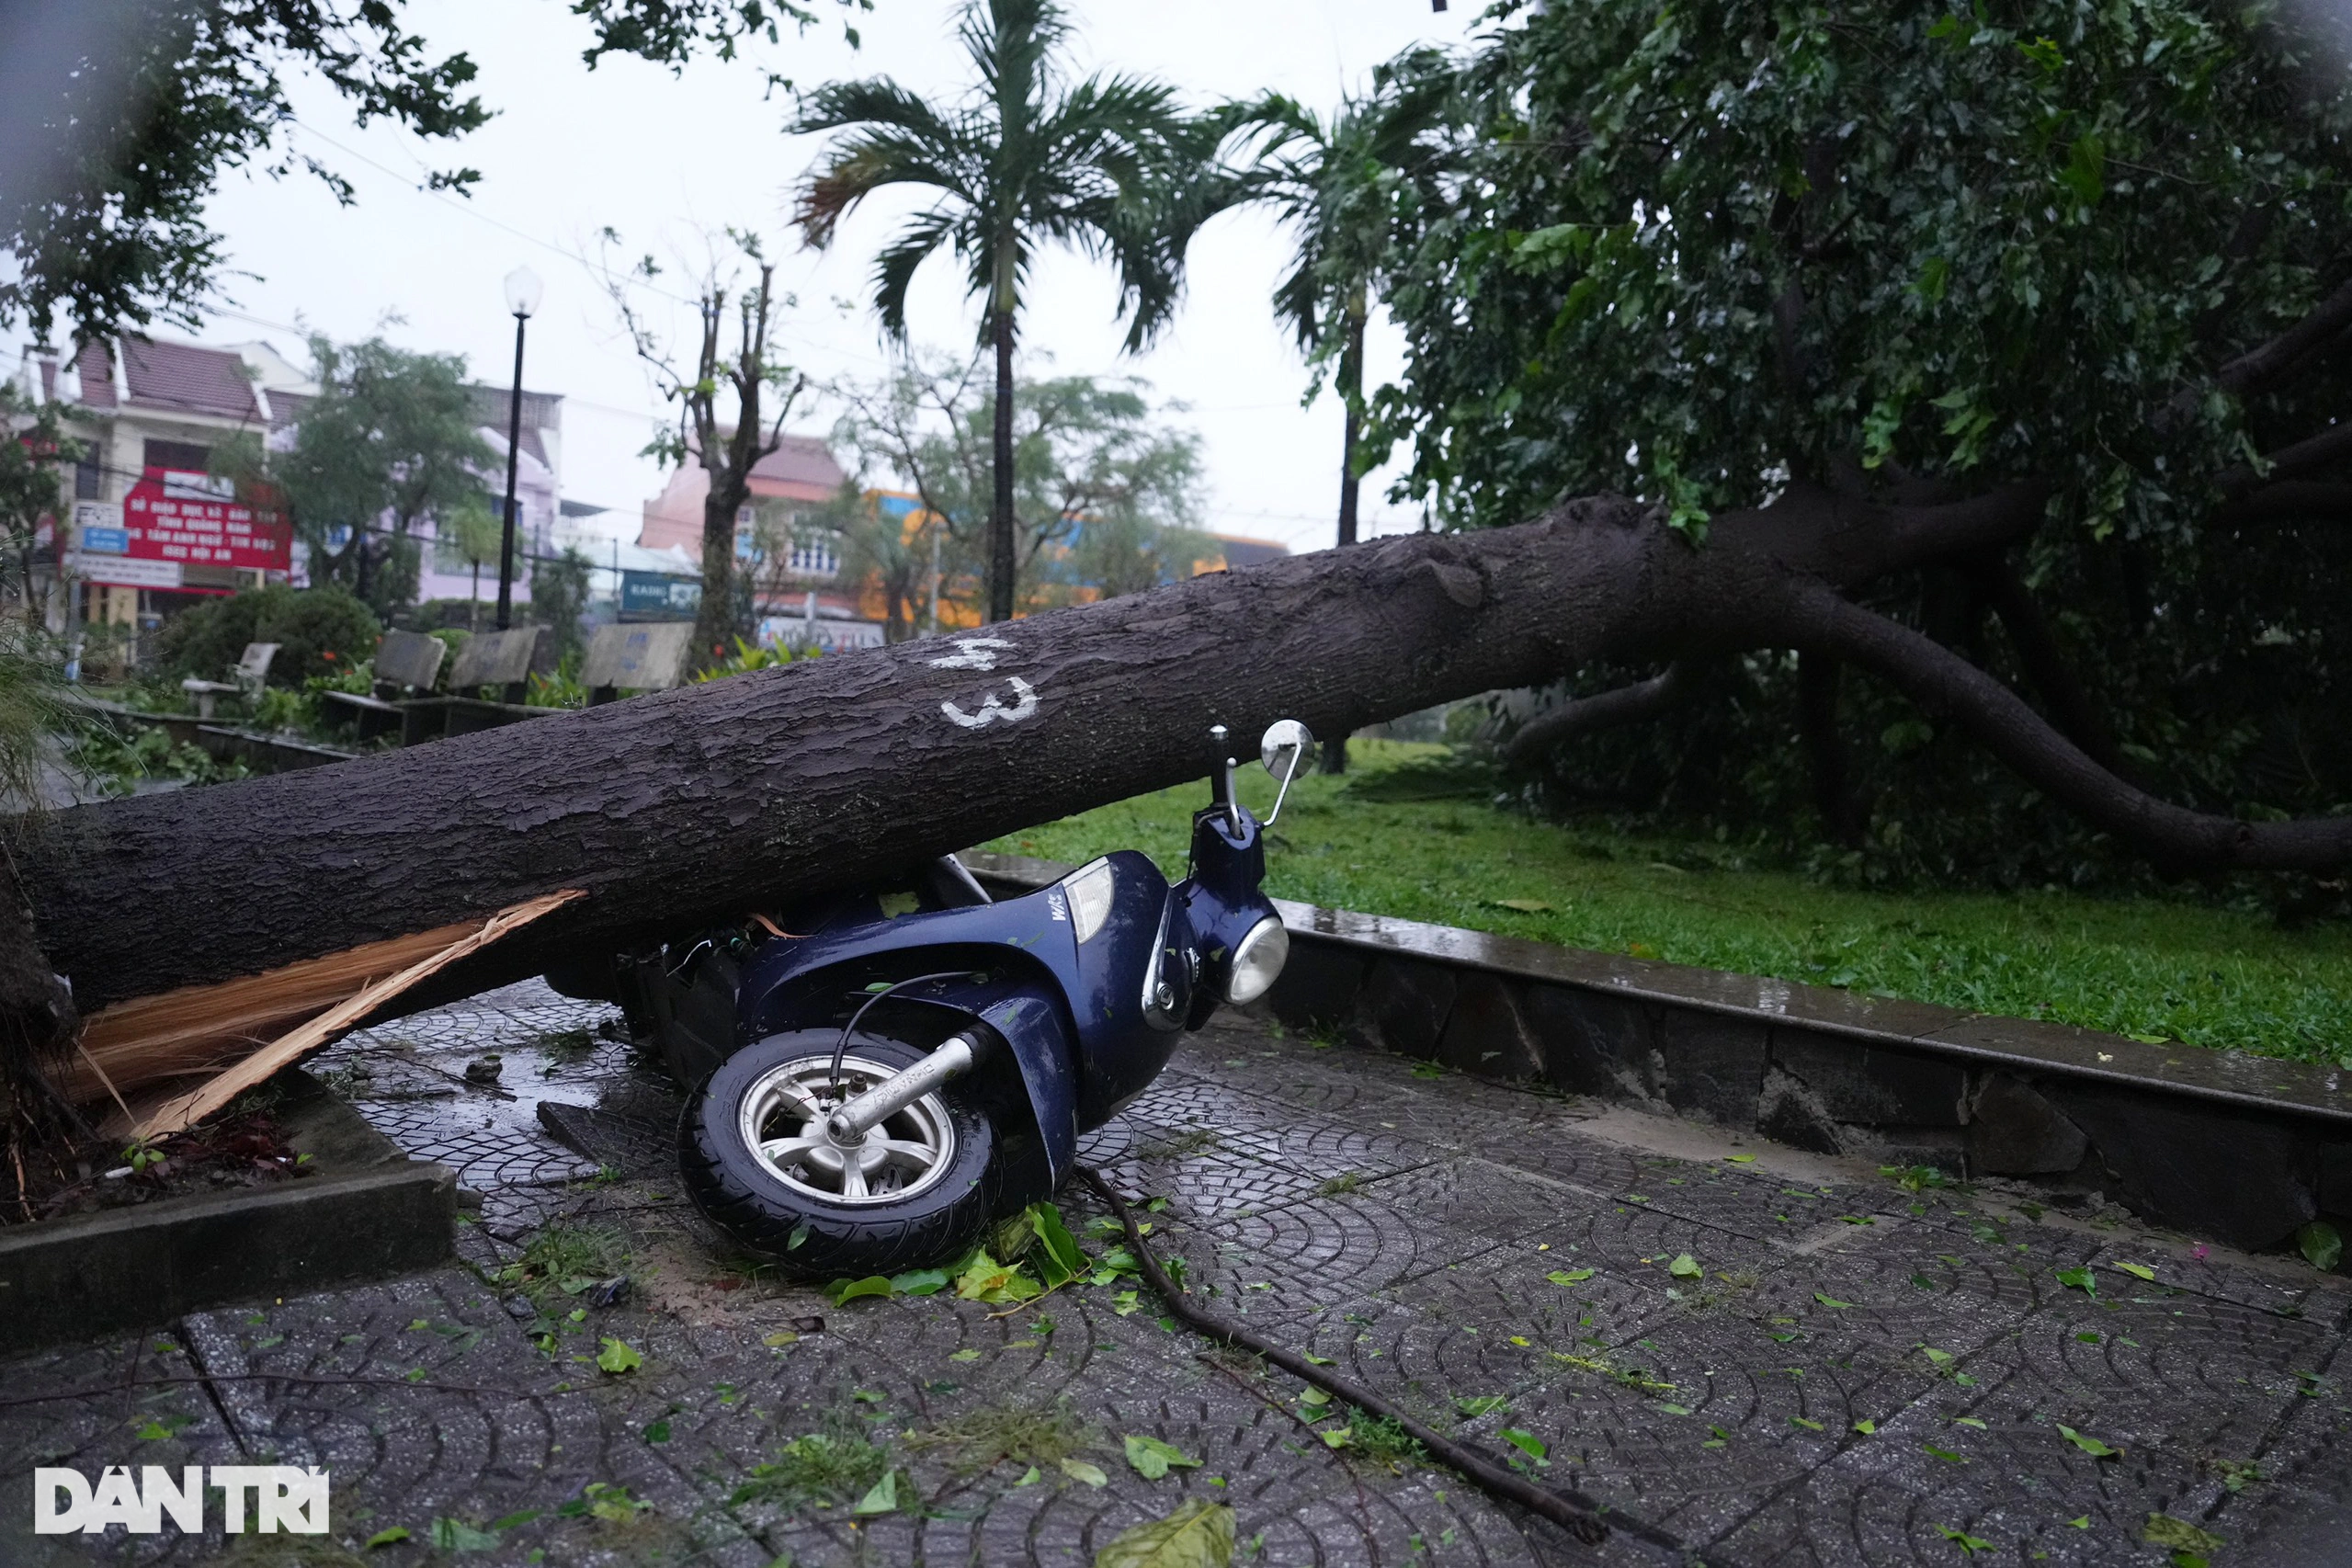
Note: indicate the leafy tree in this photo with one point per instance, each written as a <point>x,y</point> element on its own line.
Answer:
<point>476,536</point>
<point>391,438</point>
<point>319,632</point>
<point>559,597</point>
<point>1110,164</point>
<point>722,426</point>
<point>1106,494</point>
<point>122,118</point>
<point>33,449</point>
<point>1831,257</point>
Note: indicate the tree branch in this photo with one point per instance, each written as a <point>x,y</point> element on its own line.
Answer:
<point>1942,682</point>
<point>1634,704</point>
<point>2290,501</point>
<point>2274,361</point>
<point>2036,645</point>
<point>2310,455</point>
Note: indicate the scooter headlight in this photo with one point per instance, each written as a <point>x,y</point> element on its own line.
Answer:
<point>1090,888</point>
<point>1257,961</point>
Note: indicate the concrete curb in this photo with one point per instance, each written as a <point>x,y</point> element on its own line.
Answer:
<point>2244,1149</point>
<point>369,1213</point>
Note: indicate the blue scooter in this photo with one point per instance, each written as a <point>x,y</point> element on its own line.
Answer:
<point>873,1091</point>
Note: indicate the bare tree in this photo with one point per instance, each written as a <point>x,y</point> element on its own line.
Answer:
<point>747,376</point>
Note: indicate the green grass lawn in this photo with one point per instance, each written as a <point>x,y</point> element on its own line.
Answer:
<point>2156,969</point>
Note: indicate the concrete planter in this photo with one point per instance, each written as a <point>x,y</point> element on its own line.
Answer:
<point>2239,1148</point>
<point>367,1212</point>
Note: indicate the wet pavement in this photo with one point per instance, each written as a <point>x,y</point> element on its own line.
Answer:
<point>1772,1357</point>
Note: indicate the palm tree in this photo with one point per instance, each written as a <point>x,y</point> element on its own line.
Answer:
<point>1339,185</point>
<point>1112,167</point>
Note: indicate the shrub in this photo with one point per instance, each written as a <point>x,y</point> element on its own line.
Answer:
<point>318,632</point>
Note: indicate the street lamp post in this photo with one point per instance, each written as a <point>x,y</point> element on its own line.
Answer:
<point>523,290</point>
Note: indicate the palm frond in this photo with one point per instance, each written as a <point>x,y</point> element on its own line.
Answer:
<point>894,270</point>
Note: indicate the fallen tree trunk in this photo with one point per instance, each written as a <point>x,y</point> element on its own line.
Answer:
<point>704,804</point>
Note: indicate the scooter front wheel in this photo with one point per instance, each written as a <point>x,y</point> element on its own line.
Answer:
<point>920,1188</point>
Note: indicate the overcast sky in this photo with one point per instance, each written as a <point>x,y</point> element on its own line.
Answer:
<point>663,159</point>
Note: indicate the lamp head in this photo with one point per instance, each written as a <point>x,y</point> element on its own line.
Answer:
<point>523,292</point>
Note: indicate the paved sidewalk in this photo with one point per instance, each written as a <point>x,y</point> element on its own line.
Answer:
<point>1776,1357</point>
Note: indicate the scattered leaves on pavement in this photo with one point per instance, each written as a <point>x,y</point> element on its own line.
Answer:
<point>2162,1529</point>
<point>1198,1535</point>
<point>2089,1444</point>
<point>617,1357</point>
<point>1079,1469</point>
<point>1152,1458</point>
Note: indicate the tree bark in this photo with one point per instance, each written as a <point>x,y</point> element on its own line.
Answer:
<point>1003,568</point>
<point>1351,397</point>
<point>707,803</point>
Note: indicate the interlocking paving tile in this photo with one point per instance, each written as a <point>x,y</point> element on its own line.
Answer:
<point>1429,1237</point>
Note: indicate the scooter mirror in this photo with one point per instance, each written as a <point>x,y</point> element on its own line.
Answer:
<point>1288,750</point>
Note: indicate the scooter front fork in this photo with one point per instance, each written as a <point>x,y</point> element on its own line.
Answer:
<point>952,1058</point>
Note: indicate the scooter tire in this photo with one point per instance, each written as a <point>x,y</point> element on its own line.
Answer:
<point>743,1195</point>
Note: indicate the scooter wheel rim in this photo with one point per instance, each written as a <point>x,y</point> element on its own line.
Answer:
<point>781,1121</point>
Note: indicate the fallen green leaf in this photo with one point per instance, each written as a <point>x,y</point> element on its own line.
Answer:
<point>879,1498</point>
<point>1079,1469</point>
<point>1568,1276</point>
<point>780,1338</point>
<point>1527,1443</point>
<point>1319,1360</point>
<point>1686,1267</point>
<point>1741,1159</point>
<point>391,1536</point>
<point>1967,1543</point>
<point>1314,1396</point>
<point>1029,1477</point>
<point>843,1291</point>
<point>2090,1446</point>
<point>964,1355</point>
<point>1945,1454</point>
<point>1198,1535</point>
<point>1483,1405</point>
<point>1970,1421</point>
<point>2080,1280</point>
<point>455,1535</point>
<point>1830,1301</point>
<point>1151,1456</point>
<point>2162,1529</point>
<point>1675,1409</point>
<point>1806,1421</point>
<point>2322,1246</point>
<point>1062,1260</point>
<point>920,1282</point>
<point>617,1357</point>
<point>1337,1438</point>
<point>2137,1270</point>
<point>1866,1426</point>
<point>986,1280</point>
<point>1524,905</point>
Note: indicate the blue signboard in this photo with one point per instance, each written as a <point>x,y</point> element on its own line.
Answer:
<point>106,541</point>
<point>657,596</point>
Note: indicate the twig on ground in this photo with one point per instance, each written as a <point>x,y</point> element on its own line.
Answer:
<point>1578,1514</point>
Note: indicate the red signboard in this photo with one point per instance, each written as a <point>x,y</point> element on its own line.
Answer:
<point>196,518</point>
